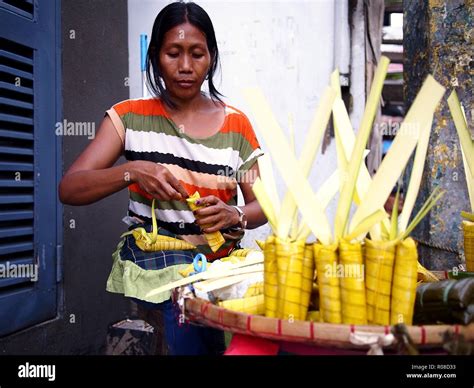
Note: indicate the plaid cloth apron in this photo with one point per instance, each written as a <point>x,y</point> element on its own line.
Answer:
<point>154,260</point>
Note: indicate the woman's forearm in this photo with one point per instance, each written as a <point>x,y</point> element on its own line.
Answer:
<point>85,187</point>
<point>254,214</point>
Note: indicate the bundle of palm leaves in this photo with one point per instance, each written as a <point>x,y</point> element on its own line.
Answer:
<point>388,258</point>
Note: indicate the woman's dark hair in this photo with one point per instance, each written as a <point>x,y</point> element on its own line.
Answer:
<point>169,17</point>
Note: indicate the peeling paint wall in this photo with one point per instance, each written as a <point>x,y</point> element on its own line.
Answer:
<point>438,41</point>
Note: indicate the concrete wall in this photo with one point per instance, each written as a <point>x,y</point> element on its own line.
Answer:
<point>95,64</point>
<point>285,47</point>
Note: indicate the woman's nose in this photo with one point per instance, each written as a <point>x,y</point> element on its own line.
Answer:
<point>185,64</point>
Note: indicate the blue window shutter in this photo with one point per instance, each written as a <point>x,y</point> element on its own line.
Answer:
<point>29,160</point>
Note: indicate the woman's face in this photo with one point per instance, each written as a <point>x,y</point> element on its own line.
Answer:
<point>184,61</point>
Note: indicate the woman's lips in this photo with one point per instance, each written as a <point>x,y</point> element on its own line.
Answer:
<point>185,84</point>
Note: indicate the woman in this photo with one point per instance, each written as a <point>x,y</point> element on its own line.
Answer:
<point>176,143</point>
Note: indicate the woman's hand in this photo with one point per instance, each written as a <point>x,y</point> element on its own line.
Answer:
<point>157,181</point>
<point>216,215</point>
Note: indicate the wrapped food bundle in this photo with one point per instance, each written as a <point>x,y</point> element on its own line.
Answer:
<point>154,241</point>
<point>446,301</point>
<point>215,240</point>
<point>379,259</point>
<point>468,229</point>
<point>353,298</point>
<point>290,277</point>
<point>405,276</point>
<point>159,243</point>
<point>328,283</point>
<point>249,305</point>
<point>270,276</point>
<point>241,252</point>
<point>307,282</point>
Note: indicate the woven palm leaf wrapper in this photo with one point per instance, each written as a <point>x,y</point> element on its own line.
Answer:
<point>160,243</point>
<point>379,259</point>
<point>248,305</point>
<point>242,252</point>
<point>329,292</point>
<point>270,277</point>
<point>468,229</point>
<point>354,310</point>
<point>307,283</point>
<point>282,269</point>
<point>405,274</point>
<point>215,239</point>
<point>290,277</point>
<point>152,242</point>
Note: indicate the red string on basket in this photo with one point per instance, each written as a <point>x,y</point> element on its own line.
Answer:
<point>249,321</point>
<point>204,308</point>
<point>423,335</point>
<point>220,317</point>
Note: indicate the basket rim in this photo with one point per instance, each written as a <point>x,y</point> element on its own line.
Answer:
<point>316,333</point>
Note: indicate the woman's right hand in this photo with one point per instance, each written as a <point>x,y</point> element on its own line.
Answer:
<point>157,181</point>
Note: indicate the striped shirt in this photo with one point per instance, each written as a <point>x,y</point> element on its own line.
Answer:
<point>211,165</point>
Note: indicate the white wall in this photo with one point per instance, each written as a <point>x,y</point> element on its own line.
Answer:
<point>284,47</point>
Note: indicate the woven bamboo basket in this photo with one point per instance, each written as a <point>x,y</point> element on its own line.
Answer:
<point>311,333</point>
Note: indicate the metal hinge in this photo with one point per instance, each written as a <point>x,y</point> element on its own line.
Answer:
<point>59,263</point>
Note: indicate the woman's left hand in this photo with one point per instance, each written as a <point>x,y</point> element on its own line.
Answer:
<point>216,215</point>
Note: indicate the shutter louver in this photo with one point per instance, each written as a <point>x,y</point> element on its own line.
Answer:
<point>16,159</point>
<point>20,7</point>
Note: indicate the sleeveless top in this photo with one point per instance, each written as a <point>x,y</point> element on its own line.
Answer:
<point>211,165</point>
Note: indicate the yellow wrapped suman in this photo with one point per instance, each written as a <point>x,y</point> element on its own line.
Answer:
<point>307,281</point>
<point>290,277</point>
<point>270,276</point>
<point>250,305</point>
<point>160,243</point>
<point>241,252</point>
<point>152,242</point>
<point>328,283</point>
<point>379,259</point>
<point>352,283</point>
<point>404,282</point>
<point>215,239</point>
<point>468,229</point>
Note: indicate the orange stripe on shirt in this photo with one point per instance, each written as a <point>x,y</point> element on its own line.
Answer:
<point>155,107</point>
<point>224,195</point>
<point>243,125</point>
<point>150,107</point>
<point>248,136</point>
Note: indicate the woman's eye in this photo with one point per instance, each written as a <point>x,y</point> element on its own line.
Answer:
<point>173,55</point>
<point>197,55</point>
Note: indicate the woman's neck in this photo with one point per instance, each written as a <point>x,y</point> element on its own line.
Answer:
<point>196,104</point>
